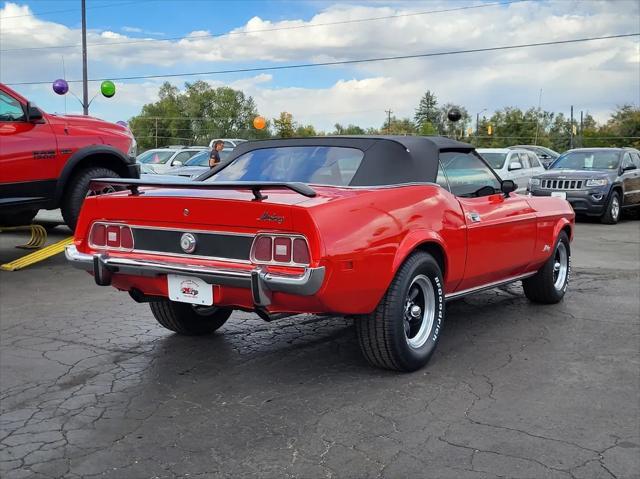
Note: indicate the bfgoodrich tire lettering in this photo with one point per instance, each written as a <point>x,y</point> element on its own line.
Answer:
<point>549,284</point>
<point>189,320</point>
<point>392,337</point>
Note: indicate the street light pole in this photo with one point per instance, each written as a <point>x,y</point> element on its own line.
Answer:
<point>478,122</point>
<point>85,86</point>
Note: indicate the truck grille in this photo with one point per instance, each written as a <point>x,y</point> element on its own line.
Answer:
<point>561,184</point>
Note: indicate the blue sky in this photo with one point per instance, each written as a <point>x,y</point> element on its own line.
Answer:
<point>593,77</point>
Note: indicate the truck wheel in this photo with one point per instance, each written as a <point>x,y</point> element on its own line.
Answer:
<point>549,284</point>
<point>20,218</point>
<point>612,213</point>
<point>189,319</point>
<point>77,189</point>
<point>403,331</point>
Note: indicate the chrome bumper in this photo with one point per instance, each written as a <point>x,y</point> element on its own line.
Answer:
<point>261,282</point>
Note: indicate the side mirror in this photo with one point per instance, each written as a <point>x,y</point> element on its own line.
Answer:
<point>507,186</point>
<point>514,165</point>
<point>176,163</point>
<point>630,167</point>
<point>34,115</point>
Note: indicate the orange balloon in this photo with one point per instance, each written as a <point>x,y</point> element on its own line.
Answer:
<point>259,122</point>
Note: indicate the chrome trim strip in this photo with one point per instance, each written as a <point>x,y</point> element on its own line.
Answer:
<point>190,230</point>
<point>477,289</point>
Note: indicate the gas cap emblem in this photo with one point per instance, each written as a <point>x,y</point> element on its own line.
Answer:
<point>185,212</point>
<point>188,243</point>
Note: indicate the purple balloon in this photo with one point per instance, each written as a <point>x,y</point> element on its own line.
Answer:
<point>60,86</point>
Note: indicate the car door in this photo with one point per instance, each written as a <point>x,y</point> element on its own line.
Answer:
<point>630,178</point>
<point>516,170</point>
<point>501,230</point>
<point>27,153</point>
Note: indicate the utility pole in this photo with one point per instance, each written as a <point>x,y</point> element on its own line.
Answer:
<point>571,131</point>
<point>478,122</point>
<point>581,127</point>
<point>156,132</point>
<point>388,112</point>
<point>535,141</point>
<point>85,86</point>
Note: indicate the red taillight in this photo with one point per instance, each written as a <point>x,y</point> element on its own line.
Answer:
<point>300,251</point>
<point>126,238</point>
<point>282,249</point>
<point>99,235</point>
<point>111,236</point>
<point>262,248</point>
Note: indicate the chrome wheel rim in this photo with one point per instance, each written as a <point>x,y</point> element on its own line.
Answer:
<point>615,208</point>
<point>560,266</point>
<point>419,311</point>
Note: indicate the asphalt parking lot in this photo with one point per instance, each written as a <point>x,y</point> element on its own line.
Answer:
<point>92,387</point>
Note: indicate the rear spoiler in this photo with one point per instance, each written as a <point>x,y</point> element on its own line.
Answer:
<point>133,185</point>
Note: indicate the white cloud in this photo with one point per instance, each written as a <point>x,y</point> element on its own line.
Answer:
<point>592,76</point>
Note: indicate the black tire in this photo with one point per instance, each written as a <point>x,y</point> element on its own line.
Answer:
<point>612,212</point>
<point>546,286</point>
<point>76,191</point>
<point>387,334</point>
<point>189,320</point>
<point>20,218</point>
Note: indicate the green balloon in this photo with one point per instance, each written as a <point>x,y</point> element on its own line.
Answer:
<point>108,88</point>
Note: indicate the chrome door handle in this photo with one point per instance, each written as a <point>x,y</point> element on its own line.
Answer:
<point>474,216</point>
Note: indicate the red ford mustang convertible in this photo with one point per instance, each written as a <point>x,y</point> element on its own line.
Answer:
<point>382,229</point>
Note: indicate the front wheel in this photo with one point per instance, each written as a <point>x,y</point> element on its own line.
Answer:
<point>188,319</point>
<point>549,284</point>
<point>612,213</point>
<point>77,189</point>
<point>403,331</point>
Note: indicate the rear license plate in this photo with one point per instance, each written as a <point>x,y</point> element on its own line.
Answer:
<point>559,194</point>
<point>187,289</point>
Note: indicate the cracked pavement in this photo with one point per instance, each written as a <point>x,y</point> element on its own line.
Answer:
<point>92,387</point>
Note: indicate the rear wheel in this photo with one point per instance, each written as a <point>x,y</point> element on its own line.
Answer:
<point>76,192</point>
<point>549,284</point>
<point>612,213</point>
<point>20,218</point>
<point>403,331</point>
<point>188,319</point>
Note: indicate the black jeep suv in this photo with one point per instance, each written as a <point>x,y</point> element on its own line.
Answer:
<point>596,181</point>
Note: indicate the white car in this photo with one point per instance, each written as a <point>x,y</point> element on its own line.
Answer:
<point>228,142</point>
<point>518,165</point>
<point>159,160</point>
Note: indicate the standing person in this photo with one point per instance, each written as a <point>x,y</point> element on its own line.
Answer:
<point>214,157</point>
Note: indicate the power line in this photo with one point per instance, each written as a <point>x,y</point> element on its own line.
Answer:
<point>343,62</point>
<point>109,5</point>
<point>276,29</point>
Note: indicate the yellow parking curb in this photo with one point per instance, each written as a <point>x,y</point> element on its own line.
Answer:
<point>38,235</point>
<point>37,256</point>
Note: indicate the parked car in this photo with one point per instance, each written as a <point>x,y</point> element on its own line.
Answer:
<point>511,164</point>
<point>381,229</point>
<point>228,142</point>
<point>596,181</point>
<point>160,160</point>
<point>198,164</point>
<point>546,155</point>
<point>47,161</point>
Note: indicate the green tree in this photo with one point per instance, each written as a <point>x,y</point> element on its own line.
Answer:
<point>427,112</point>
<point>348,130</point>
<point>427,128</point>
<point>403,126</point>
<point>305,130</point>
<point>284,125</point>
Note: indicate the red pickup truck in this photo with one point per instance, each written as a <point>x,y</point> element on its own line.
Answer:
<point>47,161</point>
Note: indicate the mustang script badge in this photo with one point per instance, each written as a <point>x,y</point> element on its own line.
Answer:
<point>271,217</point>
<point>188,243</point>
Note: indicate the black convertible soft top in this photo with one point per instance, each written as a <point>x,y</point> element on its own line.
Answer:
<point>388,160</point>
